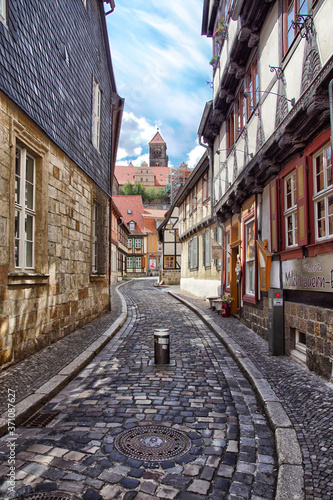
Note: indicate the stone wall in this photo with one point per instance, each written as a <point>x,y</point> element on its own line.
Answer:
<point>60,294</point>
<point>256,319</point>
<point>170,276</point>
<point>316,323</point>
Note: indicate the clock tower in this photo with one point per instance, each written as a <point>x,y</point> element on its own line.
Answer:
<point>157,151</point>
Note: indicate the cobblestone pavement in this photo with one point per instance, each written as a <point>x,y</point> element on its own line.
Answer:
<point>201,393</point>
<point>34,371</point>
<point>307,399</point>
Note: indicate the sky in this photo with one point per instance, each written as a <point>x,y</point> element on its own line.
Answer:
<point>161,67</point>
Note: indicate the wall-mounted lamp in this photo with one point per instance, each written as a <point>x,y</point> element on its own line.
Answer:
<point>292,101</point>
<point>218,151</point>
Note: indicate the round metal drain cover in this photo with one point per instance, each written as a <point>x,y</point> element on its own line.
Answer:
<point>153,442</point>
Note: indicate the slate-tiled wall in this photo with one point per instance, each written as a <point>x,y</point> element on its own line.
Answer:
<point>55,93</point>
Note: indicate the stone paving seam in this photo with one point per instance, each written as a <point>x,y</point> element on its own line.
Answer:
<point>30,404</point>
<point>290,481</point>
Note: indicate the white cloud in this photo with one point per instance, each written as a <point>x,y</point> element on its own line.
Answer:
<point>195,155</point>
<point>161,65</point>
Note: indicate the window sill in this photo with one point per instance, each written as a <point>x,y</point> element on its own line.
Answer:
<point>299,356</point>
<point>97,277</point>
<point>19,278</point>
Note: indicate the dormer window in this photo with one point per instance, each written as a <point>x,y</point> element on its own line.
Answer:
<point>132,226</point>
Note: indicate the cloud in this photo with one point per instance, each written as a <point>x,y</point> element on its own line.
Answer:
<point>195,155</point>
<point>161,65</point>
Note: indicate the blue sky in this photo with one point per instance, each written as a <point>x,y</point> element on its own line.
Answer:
<point>161,66</point>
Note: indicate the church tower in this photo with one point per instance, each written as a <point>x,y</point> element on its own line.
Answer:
<point>157,151</point>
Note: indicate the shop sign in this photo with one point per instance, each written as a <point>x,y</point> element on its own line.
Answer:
<point>315,274</point>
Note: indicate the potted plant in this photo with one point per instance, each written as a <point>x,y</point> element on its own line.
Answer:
<point>221,31</point>
<point>226,303</point>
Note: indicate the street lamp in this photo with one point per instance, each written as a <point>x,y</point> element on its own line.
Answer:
<point>247,94</point>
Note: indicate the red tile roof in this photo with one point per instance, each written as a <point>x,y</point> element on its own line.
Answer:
<point>134,205</point>
<point>157,139</point>
<point>127,173</point>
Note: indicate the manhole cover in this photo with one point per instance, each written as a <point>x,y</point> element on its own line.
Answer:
<point>54,495</point>
<point>153,442</point>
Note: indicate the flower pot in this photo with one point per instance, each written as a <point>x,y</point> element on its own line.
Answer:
<point>225,310</point>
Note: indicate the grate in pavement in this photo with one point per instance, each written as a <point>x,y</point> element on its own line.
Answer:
<point>153,443</point>
<point>41,418</point>
<point>53,495</point>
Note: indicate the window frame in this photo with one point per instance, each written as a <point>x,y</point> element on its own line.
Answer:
<point>227,259</point>
<point>324,194</point>
<point>97,107</point>
<point>253,87</point>
<point>170,260</point>
<point>291,9</point>
<point>290,211</point>
<point>207,248</point>
<point>248,291</point>
<point>23,211</point>
<point>138,243</point>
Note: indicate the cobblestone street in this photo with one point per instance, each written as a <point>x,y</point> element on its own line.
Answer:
<point>202,394</point>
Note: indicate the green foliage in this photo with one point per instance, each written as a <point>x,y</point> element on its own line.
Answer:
<point>147,194</point>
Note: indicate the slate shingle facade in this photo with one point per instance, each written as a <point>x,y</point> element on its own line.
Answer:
<point>50,53</point>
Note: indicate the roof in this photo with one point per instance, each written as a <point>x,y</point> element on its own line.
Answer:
<point>133,204</point>
<point>125,174</point>
<point>156,213</point>
<point>157,139</point>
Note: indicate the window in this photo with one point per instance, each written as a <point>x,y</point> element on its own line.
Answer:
<point>249,258</point>
<point>169,262</point>
<point>138,243</point>
<point>252,82</point>
<point>323,193</point>
<point>240,112</point>
<point>227,259</point>
<point>129,211</point>
<point>206,248</point>
<point>25,215</point>
<point>138,262</point>
<point>129,263</point>
<point>193,253</point>
<point>3,10</point>
<point>231,129</point>
<point>132,226</point>
<point>290,210</point>
<point>130,243</point>
<point>97,115</point>
<point>99,235</point>
<point>292,8</point>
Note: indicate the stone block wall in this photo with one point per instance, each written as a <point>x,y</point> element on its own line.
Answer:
<point>256,319</point>
<point>170,277</point>
<point>60,294</point>
<point>316,323</point>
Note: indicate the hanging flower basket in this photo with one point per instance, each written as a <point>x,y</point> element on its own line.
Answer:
<point>215,61</point>
<point>221,32</point>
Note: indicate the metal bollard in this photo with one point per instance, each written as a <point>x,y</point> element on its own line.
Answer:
<point>162,346</point>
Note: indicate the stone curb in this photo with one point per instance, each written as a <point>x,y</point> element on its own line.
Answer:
<point>29,405</point>
<point>290,481</point>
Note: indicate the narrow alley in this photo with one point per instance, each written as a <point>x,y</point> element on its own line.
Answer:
<point>212,436</point>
